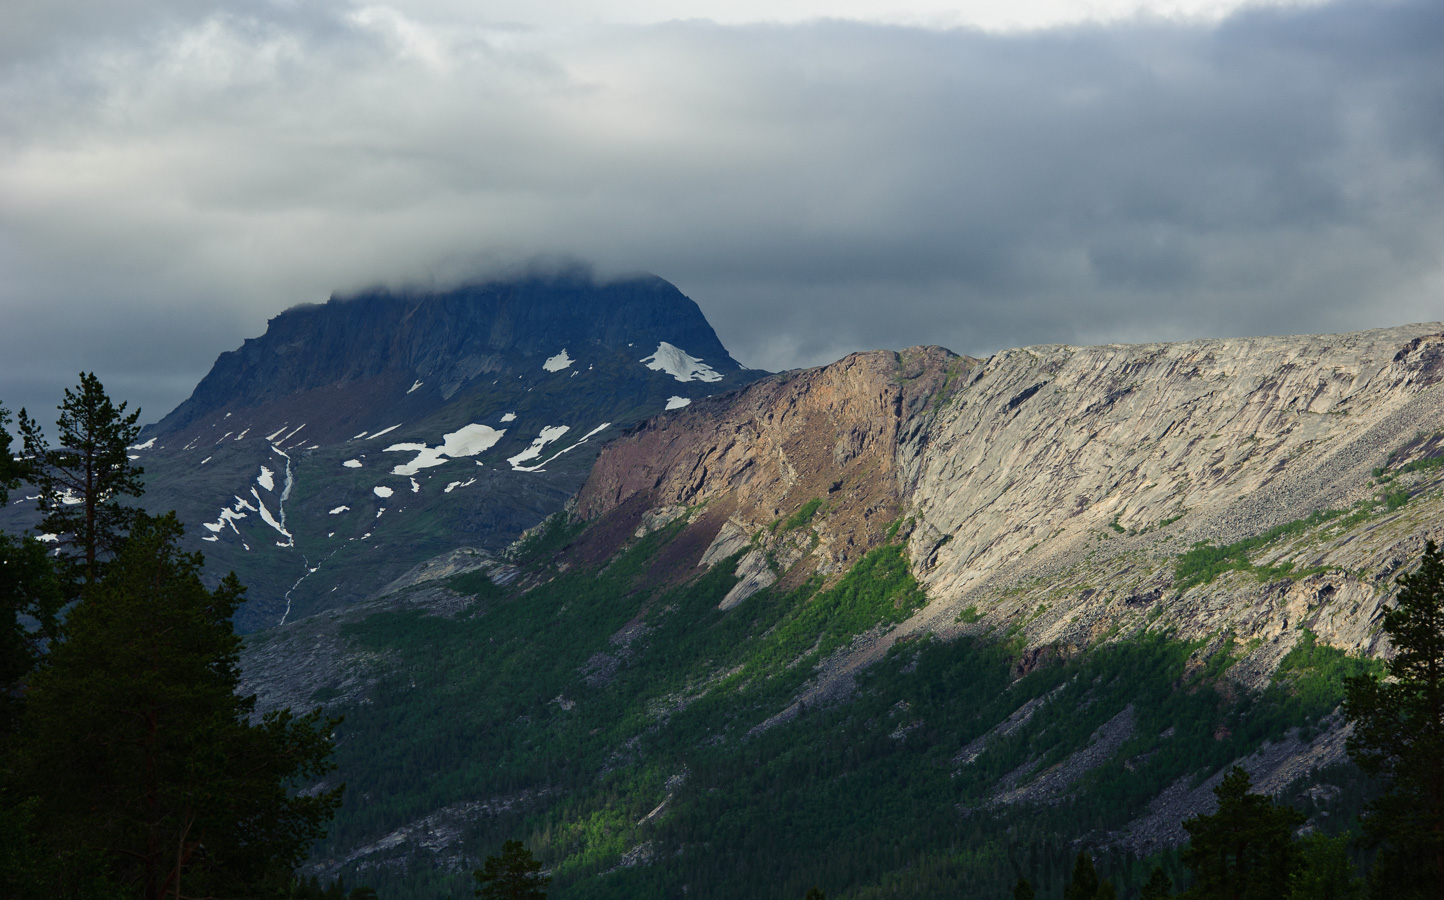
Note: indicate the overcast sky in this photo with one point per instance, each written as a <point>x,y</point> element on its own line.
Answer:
<point>979,175</point>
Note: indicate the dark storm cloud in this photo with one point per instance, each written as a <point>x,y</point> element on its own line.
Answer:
<point>817,188</point>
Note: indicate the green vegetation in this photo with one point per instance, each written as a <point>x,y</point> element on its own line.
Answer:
<point>81,481</point>
<point>1205,561</point>
<point>1399,737</point>
<point>803,516</point>
<point>130,766</point>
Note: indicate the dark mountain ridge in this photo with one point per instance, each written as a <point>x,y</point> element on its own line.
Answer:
<point>379,336</point>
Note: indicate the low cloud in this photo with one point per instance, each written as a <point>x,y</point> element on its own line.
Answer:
<point>170,181</point>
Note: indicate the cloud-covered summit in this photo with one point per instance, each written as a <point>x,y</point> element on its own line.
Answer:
<point>171,178</point>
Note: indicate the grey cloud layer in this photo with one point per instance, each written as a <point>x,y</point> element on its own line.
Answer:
<point>166,184</point>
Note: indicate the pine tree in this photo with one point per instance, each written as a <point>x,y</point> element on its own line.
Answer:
<point>1084,883</point>
<point>1158,886</point>
<point>12,470</point>
<point>1327,873</point>
<point>1245,850</point>
<point>139,756</point>
<point>1023,890</point>
<point>514,875</point>
<point>31,597</point>
<point>1399,736</point>
<point>82,480</point>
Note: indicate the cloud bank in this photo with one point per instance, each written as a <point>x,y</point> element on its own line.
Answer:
<point>174,175</point>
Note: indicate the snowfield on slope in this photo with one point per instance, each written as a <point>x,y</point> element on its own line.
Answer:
<point>676,362</point>
<point>558,362</point>
<point>468,441</point>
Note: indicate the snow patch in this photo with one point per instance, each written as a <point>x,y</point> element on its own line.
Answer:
<point>272,435</point>
<point>558,362</point>
<point>146,446</point>
<point>541,466</point>
<point>244,433</point>
<point>48,538</point>
<point>456,484</point>
<point>292,434</point>
<point>132,456</point>
<point>338,510</point>
<point>352,463</point>
<point>675,362</point>
<point>509,417</point>
<point>548,435</point>
<point>677,402</point>
<point>384,431</point>
<point>211,538</point>
<point>359,436</point>
<point>413,387</point>
<point>266,479</point>
<point>206,460</point>
<point>469,440</point>
<point>382,491</point>
<point>278,524</point>
<point>415,488</point>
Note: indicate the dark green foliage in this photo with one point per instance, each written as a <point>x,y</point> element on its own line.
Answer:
<point>1205,562</point>
<point>476,584</point>
<point>1245,850</point>
<point>815,893</point>
<point>1083,884</point>
<point>12,470</point>
<point>514,875</point>
<point>1158,886</point>
<point>313,889</point>
<point>1395,499</point>
<point>82,480</point>
<point>1023,890</point>
<point>1327,872</point>
<point>803,516</point>
<point>546,540</point>
<point>144,766</point>
<point>1399,736</point>
<point>30,600</point>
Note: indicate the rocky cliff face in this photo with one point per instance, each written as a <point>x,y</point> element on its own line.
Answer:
<point>1097,467</point>
<point>1078,476</point>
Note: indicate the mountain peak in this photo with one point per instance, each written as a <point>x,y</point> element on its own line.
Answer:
<point>381,337</point>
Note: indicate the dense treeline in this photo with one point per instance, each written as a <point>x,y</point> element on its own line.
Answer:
<point>129,764</point>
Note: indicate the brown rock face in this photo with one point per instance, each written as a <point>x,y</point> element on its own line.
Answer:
<point>830,434</point>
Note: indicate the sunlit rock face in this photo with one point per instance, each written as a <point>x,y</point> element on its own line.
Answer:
<point>1053,490</point>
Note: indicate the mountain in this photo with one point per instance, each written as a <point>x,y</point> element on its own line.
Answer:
<point>910,624</point>
<point>359,437</point>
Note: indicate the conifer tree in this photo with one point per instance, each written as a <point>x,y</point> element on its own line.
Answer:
<point>514,875</point>
<point>1327,873</point>
<point>1399,736</point>
<point>1158,886</point>
<point>1245,850</point>
<point>12,470</point>
<point>82,480</point>
<point>140,759</point>
<point>1084,883</point>
<point>30,595</point>
<point>1023,890</point>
